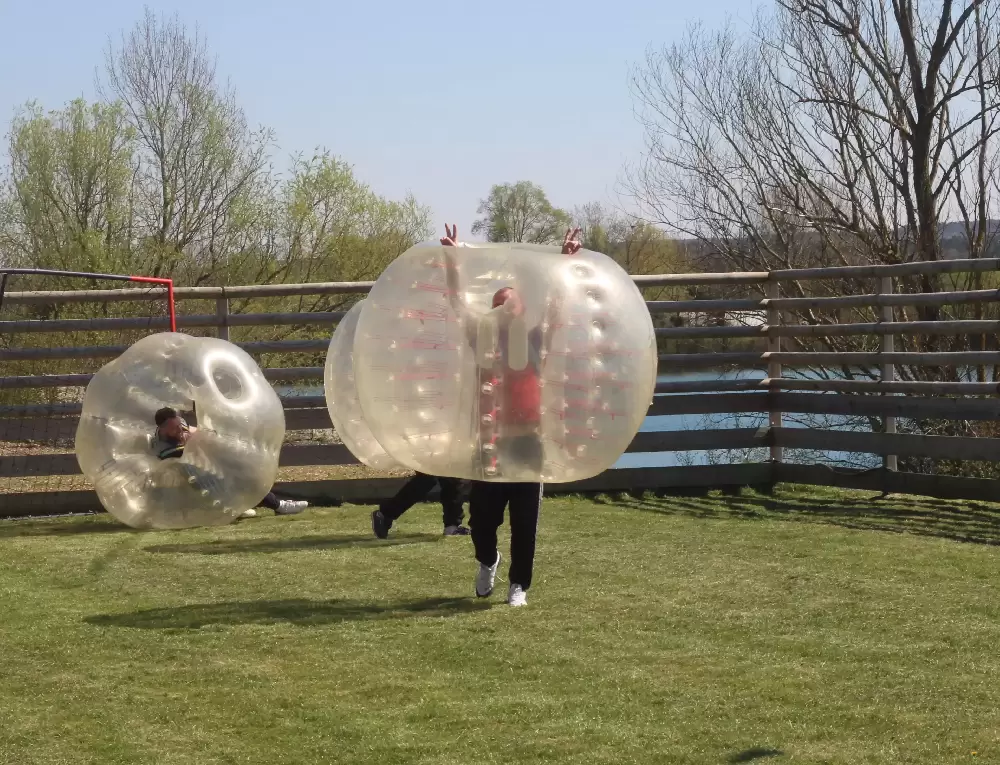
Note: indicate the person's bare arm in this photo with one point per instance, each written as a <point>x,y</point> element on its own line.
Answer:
<point>570,246</point>
<point>450,239</point>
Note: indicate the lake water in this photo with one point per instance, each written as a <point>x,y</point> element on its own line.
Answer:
<point>699,422</point>
<point>722,421</point>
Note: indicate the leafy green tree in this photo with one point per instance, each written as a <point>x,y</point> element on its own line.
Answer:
<point>520,212</point>
<point>335,227</point>
<point>69,197</point>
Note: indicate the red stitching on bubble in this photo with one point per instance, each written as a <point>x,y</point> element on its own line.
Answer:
<point>437,288</point>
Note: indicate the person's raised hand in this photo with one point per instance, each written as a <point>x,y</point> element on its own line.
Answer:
<point>450,238</point>
<point>571,242</point>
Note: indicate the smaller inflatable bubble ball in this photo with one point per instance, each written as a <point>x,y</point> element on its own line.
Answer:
<point>229,461</point>
<point>342,397</point>
<point>505,362</point>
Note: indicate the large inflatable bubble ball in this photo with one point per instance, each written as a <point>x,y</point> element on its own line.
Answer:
<point>342,397</point>
<point>230,460</point>
<point>505,362</point>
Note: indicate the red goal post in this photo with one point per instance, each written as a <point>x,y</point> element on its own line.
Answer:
<point>57,328</point>
<point>5,273</point>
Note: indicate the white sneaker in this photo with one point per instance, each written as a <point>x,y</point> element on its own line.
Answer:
<point>290,507</point>
<point>251,513</point>
<point>516,596</point>
<point>485,579</point>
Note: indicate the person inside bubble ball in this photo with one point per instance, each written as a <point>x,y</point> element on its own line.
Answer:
<point>454,492</point>
<point>517,438</point>
<point>171,436</point>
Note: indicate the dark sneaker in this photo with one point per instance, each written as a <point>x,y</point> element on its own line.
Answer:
<point>456,531</point>
<point>380,525</point>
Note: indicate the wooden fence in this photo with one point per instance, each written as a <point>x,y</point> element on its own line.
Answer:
<point>771,398</point>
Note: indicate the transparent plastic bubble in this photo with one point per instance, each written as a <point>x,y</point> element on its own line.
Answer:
<point>230,460</point>
<point>339,384</point>
<point>567,360</point>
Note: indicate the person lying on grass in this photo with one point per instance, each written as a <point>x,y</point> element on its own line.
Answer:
<point>172,433</point>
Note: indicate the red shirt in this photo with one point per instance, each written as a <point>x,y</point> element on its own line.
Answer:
<point>520,389</point>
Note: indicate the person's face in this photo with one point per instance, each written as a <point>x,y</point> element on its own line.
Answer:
<point>173,429</point>
<point>510,300</point>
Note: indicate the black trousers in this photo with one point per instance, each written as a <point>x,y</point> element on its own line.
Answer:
<point>488,501</point>
<point>486,508</point>
<point>271,502</point>
<point>453,494</point>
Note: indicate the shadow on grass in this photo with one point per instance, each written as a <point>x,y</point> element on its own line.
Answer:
<point>749,755</point>
<point>302,612</point>
<point>10,529</point>
<point>970,522</point>
<point>238,546</point>
<point>117,549</point>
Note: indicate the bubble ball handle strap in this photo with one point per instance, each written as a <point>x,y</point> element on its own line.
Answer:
<point>487,354</point>
<point>487,342</point>
<point>489,414</point>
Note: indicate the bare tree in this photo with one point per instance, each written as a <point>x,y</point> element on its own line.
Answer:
<point>853,119</point>
<point>837,132</point>
<point>636,245</point>
<point>203,171</point>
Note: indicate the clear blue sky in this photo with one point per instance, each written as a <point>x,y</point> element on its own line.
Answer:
<point>442,98</point>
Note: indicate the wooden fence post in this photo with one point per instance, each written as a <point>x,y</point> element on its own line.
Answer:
<point>888,373</point>
<point>773,292</point>
<point>222,312</point>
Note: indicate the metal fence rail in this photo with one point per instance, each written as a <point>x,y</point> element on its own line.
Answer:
<point>773,395</point>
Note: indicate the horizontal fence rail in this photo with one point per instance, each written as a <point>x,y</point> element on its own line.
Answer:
<point>187,293</point>
<point>755,405</point>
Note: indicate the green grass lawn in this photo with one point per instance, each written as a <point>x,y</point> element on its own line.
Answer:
<point>809,626</point>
